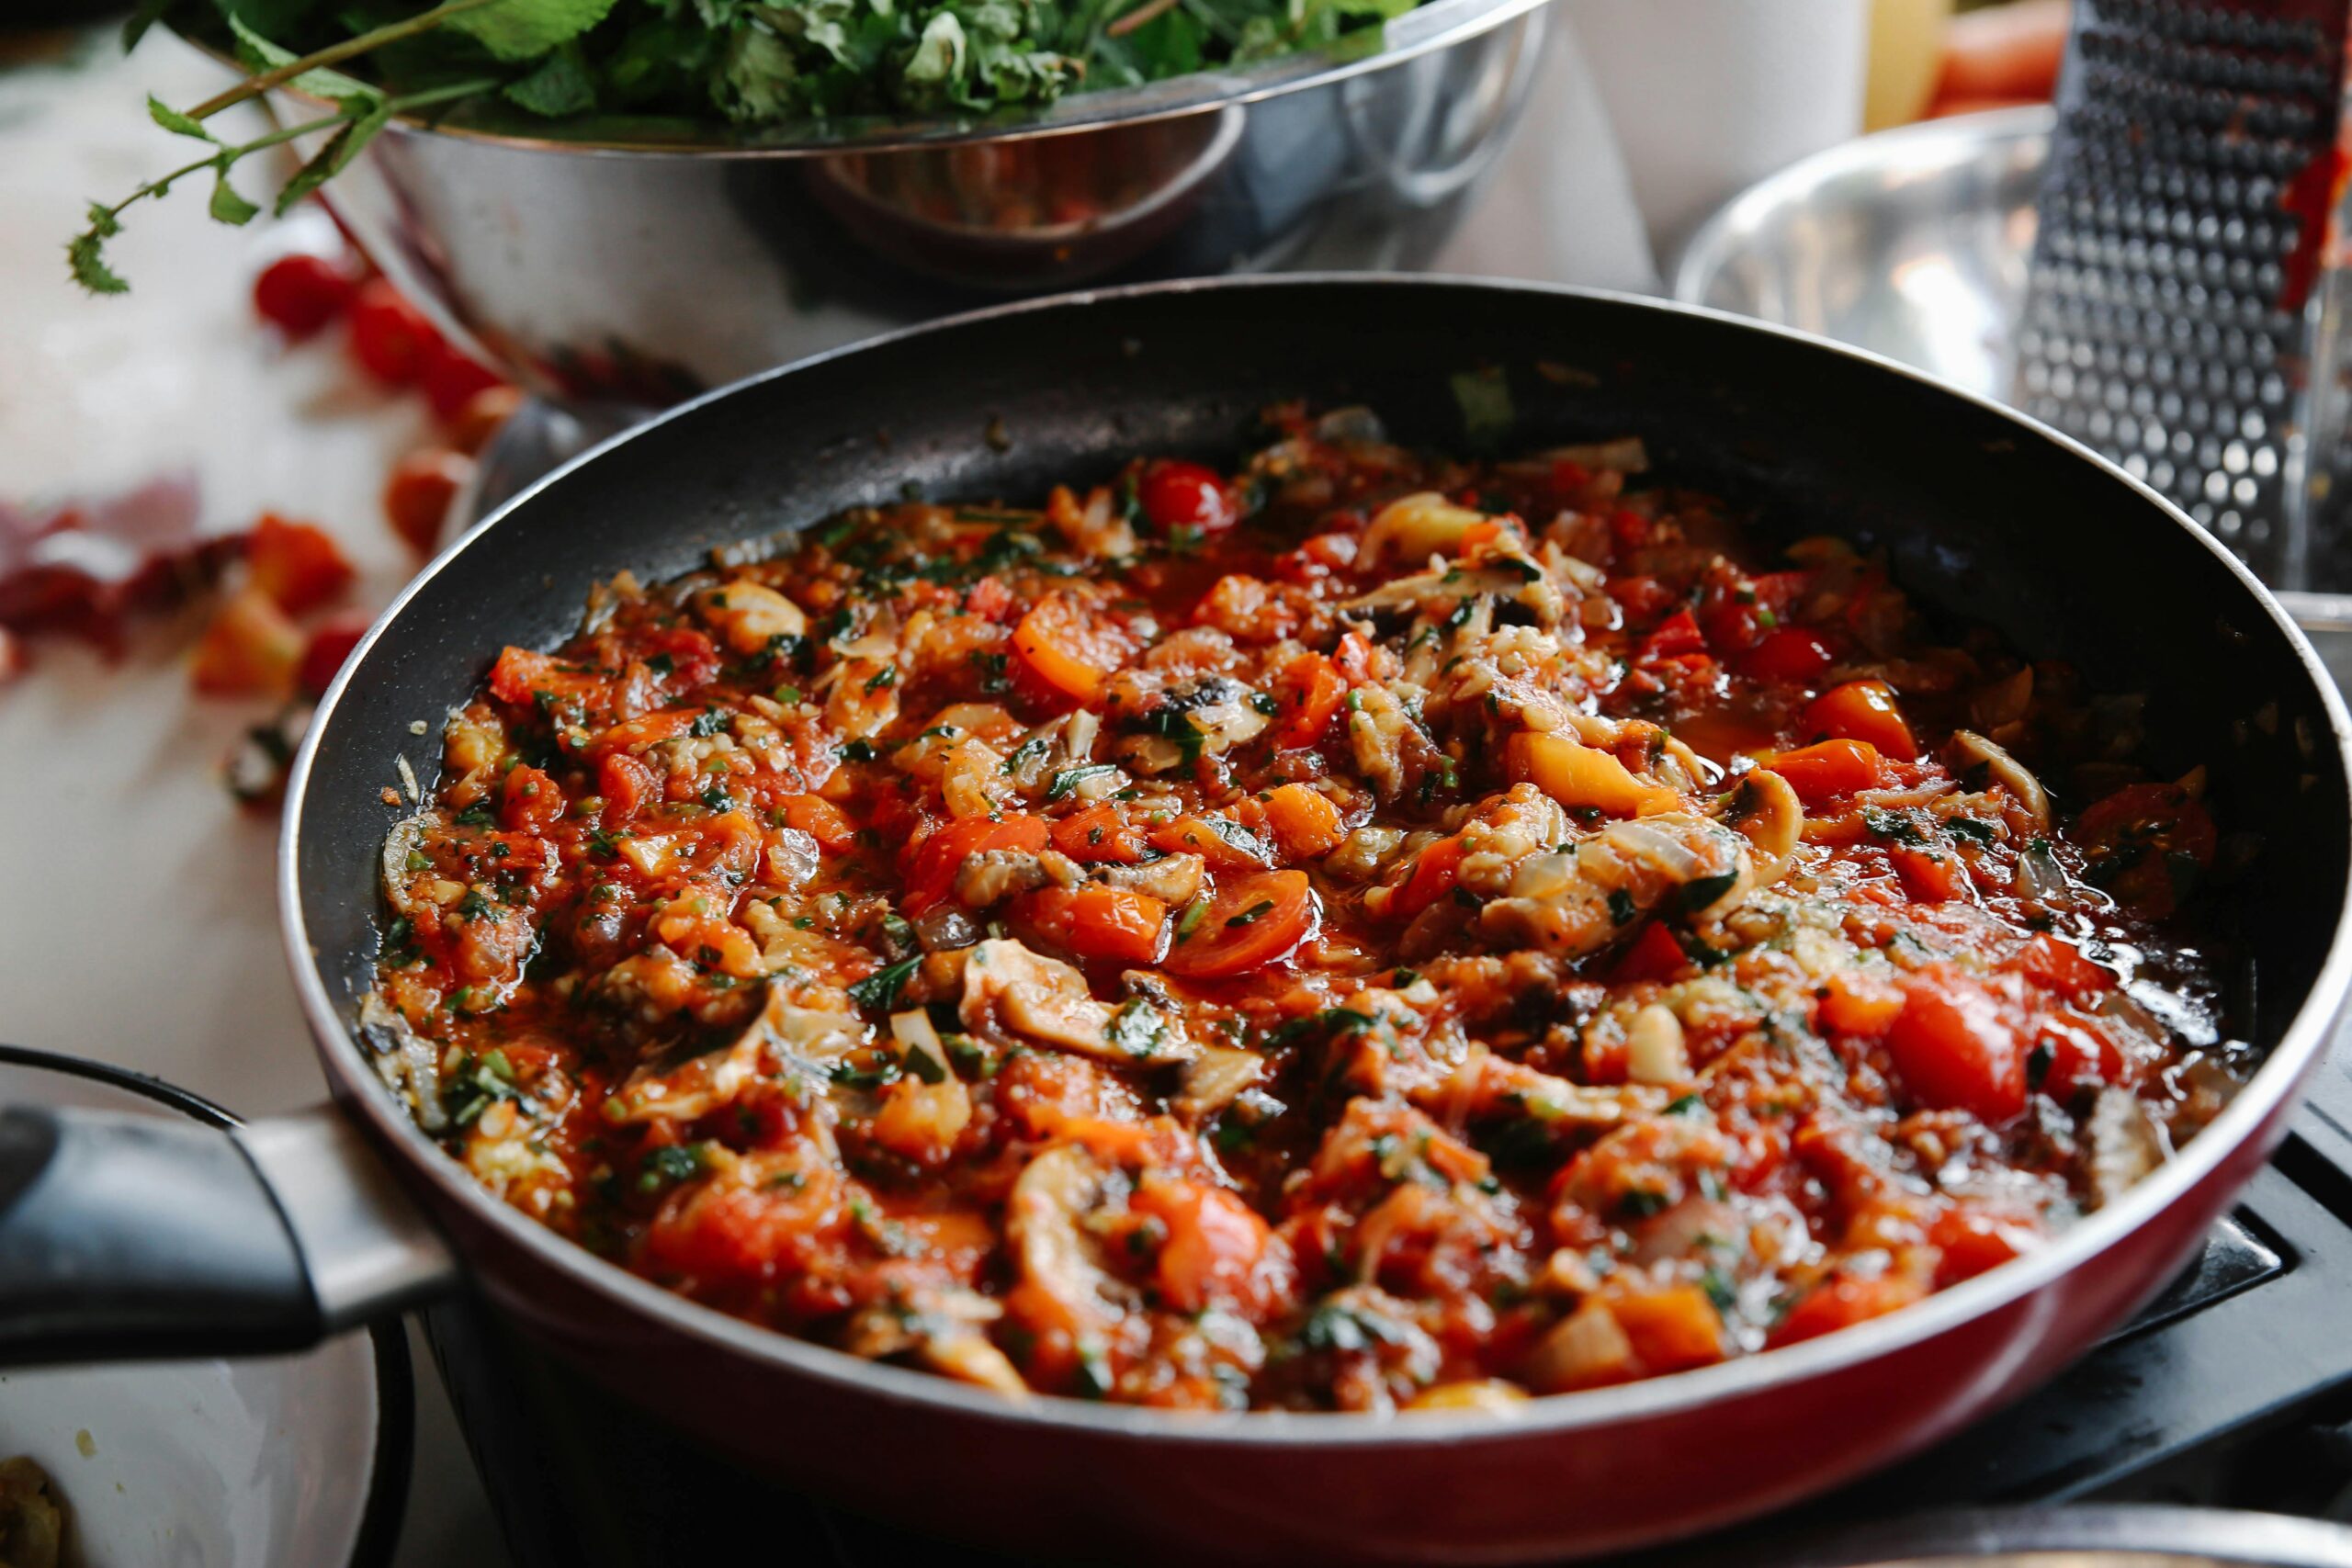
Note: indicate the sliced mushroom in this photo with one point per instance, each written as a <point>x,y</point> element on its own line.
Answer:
<point>1174,880</point>
<point>1415,527</point>
<point>1767,813</point>
<point>2125,1143</point>
<point>750,614</point>
<point>1578,903</point>
<point>994,876</point>
<point>1970,751</point>
<point>1216,1077</point>
<point>805,1043</point>
<point>1011,991</point>
<point>1045,1220</point>
<point>409,1064</point>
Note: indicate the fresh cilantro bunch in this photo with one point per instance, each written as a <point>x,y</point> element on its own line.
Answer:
<point>767,64</point>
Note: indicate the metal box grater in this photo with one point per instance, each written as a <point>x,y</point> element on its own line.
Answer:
<point>2172,319</point>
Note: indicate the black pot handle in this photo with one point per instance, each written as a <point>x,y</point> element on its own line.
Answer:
<point>128,1235</point>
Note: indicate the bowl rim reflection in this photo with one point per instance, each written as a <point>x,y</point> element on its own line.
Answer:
<point>1434,26</point>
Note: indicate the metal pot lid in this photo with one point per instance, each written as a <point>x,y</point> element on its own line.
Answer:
<point>2101,1536</point>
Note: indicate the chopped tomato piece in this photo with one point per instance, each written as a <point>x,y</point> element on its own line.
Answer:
<point>1844,1300</point>
<point>250,649</point>
<point>625,785</point>
<point>2075,1049</point>
<point>1655,955</point>
<point>1928,875</point>
<point>325,653</point>
<point>1309,690</point>
<point>1249,921</point>
<point>933,864</point>
<point>1096,922</point>
<point>1066,649</point>
<point>1303,820</point>
<point>531,803</point>
<point>1956,1046</point>
<point>451,380</point>
<point>989,599</point>
<point>1673,1330</point>
<point>423,487</point>
<point>298,564</point>
<point>2056,965</point>
<point>1353,658</point>
<point>1097,834</point>
<point>1974,1239</point>
<point>1433,877</point>
<point>520,676</point>
<point>2147,844</point>
<point>1215,1244</point>
<point>1860,1002</point>
<point>1788,653</point>
<point>636,734</point>
<point>300,294</point>
<point>1177,495</point>
<point>389,337</point>
<point>1866,711</point>
<point>1676,636</point>
<point>1829,769</point>
<point>821,819</point>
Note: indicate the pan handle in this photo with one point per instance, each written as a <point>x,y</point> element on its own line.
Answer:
<point>124,1236</point>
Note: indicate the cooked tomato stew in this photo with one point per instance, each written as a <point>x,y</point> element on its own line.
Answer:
<point>1366,932</point>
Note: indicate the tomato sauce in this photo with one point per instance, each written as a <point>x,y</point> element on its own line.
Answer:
<point>1364,930</point>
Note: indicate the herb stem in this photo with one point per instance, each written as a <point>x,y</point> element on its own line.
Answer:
<point>288,133</point>
<point>334,53</point>
<point>1150,10</point>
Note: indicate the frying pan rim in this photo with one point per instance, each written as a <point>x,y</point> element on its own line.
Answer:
<point>2280,1075</point>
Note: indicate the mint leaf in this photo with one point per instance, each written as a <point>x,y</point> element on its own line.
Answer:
<point>525,30</point>
<point>85,253</point>
<point>561,86</point>
<point>331,159</point>
<point>228,207</point>
<point>259,54</point>
<point>176,122</point>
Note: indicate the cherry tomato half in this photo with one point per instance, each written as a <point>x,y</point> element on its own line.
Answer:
<point>1249,921</point>
<point>389,337</point>
<point>1177,495</point>
<point>300,294</point>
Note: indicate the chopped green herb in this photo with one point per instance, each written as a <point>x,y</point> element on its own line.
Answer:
<point>879,992</point>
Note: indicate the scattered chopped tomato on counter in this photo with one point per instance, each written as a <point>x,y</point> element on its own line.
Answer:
<point>390,338</point>
<point>423,488</point>
<point>301,294</point>
<point>298,564</point>
<point>324,655</point>
<point>251,647</point>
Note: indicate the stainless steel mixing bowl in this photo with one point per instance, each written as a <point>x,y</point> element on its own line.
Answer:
<point>642,272</point>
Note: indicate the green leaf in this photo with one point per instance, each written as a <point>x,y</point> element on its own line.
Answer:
<point>85,253</point>
<point>228,207</point>
<point>561,86</point>
<point>879,990</point>
<point>176,122</point>
<point>940,52</point>
<point>259,54</point>
<point>525,30</point>
<point>330,161</point>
